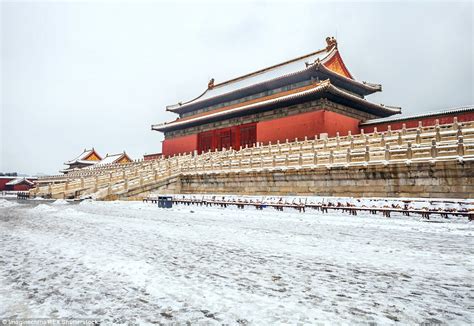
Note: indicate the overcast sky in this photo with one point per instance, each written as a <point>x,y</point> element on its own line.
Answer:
<point>83,74</point>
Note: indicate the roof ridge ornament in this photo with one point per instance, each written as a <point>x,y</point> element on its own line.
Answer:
<point>331,43</point>
<point>210,85</point>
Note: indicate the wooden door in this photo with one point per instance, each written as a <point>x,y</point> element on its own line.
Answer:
<point>248,135</point>
<point>205,142</point>
<point>224,139</point>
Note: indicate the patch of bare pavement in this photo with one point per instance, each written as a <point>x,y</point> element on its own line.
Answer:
<point>122,262</point>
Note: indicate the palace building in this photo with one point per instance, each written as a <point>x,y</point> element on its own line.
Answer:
<point>314,95</point>
<point>304,97</point>
<point>90,158</point>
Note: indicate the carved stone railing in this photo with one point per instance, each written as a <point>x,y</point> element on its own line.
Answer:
<point>439,142</point>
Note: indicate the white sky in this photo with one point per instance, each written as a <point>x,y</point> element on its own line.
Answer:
<point>83,74</point>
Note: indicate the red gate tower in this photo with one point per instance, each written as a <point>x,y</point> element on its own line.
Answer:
<point>308,96</point>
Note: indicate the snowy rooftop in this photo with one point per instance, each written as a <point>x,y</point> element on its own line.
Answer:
<point>81,158</point>
<point>460,109</point>
<point>18,181</point>
<point>279,70</point>
<point>112,158</point>
<point>324,86</point>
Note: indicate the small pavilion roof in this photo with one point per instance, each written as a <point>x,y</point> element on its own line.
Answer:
<point>82,158</point>
<point>19,181</point>
<point>450,111</point>
<point>312,62</point>
<point>313,91</point>
<point>113,158</point>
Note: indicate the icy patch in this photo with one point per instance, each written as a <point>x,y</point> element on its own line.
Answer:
<point>7,203</point>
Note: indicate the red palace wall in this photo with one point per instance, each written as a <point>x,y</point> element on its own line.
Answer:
<point>184,144</point>
<point>295,126</point>
<point>4,181</point>
<point>291,127</point>
<point>305,124</point>
<point>426,121</point>
<point>19,187</point>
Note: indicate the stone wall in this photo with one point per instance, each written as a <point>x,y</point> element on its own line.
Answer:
<point>448,179</point>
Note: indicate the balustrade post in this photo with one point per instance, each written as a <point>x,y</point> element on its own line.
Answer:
<point>382,140</point>
<point>459,132</point>
<point>455,123</point>
<point>438,133</point>
<point>273,161</point>
<point>409,151</point>
<point>460,147</point>
<point>286,160</point>
<point>418,136</point>
<point>367,154</point>
<point>400,139</point>
<point>404,129</point>
<point>331,157</point>
<point>434,149</point>
<point>389,130</point>
<point>348,156</point>
<point>300,159</point>
<point>315,158</point>
<point>125,184</point>
<point>387,152</point>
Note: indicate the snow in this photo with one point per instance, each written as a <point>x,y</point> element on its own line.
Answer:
<point>110,159</point>
<point>7,203</point>
<point>60,202</point>
<point>438,204</point>
<point>264,75</point>
<point>18,181</point>
<point>133,262</point>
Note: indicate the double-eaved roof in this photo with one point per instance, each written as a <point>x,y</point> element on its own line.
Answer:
<point>324,89</point>
<point>251,91</point>
<point>90,158</point>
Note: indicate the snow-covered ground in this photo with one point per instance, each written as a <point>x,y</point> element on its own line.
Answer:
<point>130,261</point>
